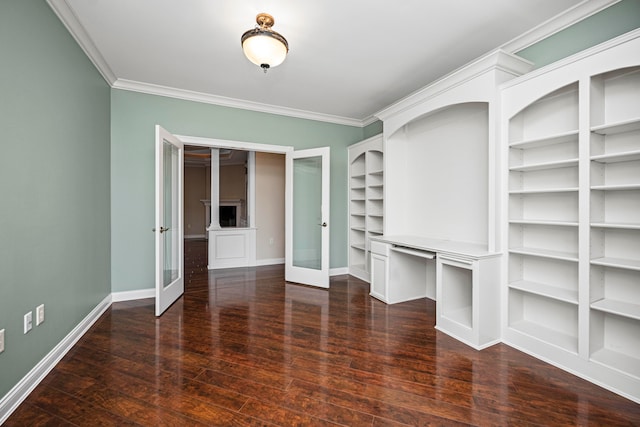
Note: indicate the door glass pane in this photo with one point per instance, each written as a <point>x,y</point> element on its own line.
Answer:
<point>169,237</point>
<point>307,212</point>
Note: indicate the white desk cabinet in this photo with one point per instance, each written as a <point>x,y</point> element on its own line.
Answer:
<point>462,278</point>
<point>467,304</point>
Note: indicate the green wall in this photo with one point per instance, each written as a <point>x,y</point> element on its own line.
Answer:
<point>611,22</point>
<point>54,185</point>
<point>133,117</point>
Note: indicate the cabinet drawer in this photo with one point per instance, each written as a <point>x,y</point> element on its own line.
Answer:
<point>380,248</point>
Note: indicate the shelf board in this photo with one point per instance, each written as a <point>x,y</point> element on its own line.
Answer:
<point>358,199</point>
<point>358,214</point>
<point>544,253</point>
<point>616,187</point>
<point>627,264</point>
<point>358,175</point>
<point>359,187</point>
<point>623,226</point>
<point>558,138</point>
<point>359,229</point>
<point>378,232</point>
<point>359,246</point>
<point>550,336</point>
<point>375,199</point>
<point>376,215</point>
<point>546,165</point>
<point>461,316</point>
<point>377,173</point>
<point>620,308</point>
<point>623,156</point>
<point>376,186</point>
<point>545,190</point>
<point>618,127</point>
<point>621,362</point>
<point>543,222</point>
<point>548,291</point>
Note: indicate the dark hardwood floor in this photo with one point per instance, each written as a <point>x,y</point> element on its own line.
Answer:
<point>243,348</point>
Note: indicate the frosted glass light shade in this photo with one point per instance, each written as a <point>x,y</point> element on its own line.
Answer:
<point>262,48</point>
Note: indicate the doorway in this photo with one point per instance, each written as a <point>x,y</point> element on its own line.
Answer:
<point>234,201</point>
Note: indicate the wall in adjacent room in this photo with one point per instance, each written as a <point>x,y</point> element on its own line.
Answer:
<point>270,177</point>
<point>54,185</point>
<point>195,180</point>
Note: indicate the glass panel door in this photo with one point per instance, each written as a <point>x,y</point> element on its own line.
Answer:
<point>169,225</point>
<point>307,217</point>
<point>307,212</point>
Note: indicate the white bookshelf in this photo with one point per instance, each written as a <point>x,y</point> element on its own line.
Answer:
<point>543,219</point>
<point>366,202</point>
<point>614,294</point>
<point>571,135</point>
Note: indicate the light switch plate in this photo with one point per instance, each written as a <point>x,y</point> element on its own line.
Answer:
<point>39,314</point>
<point>28,321</point>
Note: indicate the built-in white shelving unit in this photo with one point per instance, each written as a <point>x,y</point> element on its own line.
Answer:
<point>543,218</point>
<point>571,135</point>
<point>366,202</point>
<point>441,202</point>
<point>614,297</point>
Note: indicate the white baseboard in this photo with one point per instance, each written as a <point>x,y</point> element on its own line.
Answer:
<point>20,391</point>
<point>269,261</point>
<point>133,295</point>
<point>195,236</point>
<point>338,271</point>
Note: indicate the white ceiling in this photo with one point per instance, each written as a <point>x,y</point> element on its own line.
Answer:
<point>347,60</point>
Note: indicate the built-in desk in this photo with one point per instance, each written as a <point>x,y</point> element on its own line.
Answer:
<point>463,278</point>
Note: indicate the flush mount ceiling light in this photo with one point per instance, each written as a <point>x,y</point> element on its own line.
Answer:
<point>262,45</point>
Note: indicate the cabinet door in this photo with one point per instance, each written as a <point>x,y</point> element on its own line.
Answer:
<point>379,276</point>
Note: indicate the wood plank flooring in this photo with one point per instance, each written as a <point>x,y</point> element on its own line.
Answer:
<point>244,348</point>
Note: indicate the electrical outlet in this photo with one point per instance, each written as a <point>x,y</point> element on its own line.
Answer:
<point>28,321</point>
<point>1,340</point>
<point>39,314</point>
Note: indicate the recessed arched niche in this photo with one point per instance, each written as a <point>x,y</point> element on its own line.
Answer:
<point>438,180</point>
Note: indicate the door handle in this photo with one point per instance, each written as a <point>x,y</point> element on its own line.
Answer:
<point>324,224</point>
<point>162,229</point>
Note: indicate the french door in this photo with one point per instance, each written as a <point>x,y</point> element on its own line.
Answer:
<point>307,217</point>
<point>169,230</point>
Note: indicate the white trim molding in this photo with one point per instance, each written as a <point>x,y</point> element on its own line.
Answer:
<point>269,261</point>
<point>338,271</point>
<point>25,386</point>
<point>65,13</point>
<point>133,295</point>
<point>556,24</point>
<point>224,101</point>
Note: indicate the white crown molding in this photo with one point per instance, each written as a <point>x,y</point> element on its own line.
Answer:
<point>69,19</point>
<point>556,24</point>
<point>206,98</point>
<point>496,59</point>
<point>20,391</point>
<point>64,12</point>
<point>633,34</point>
